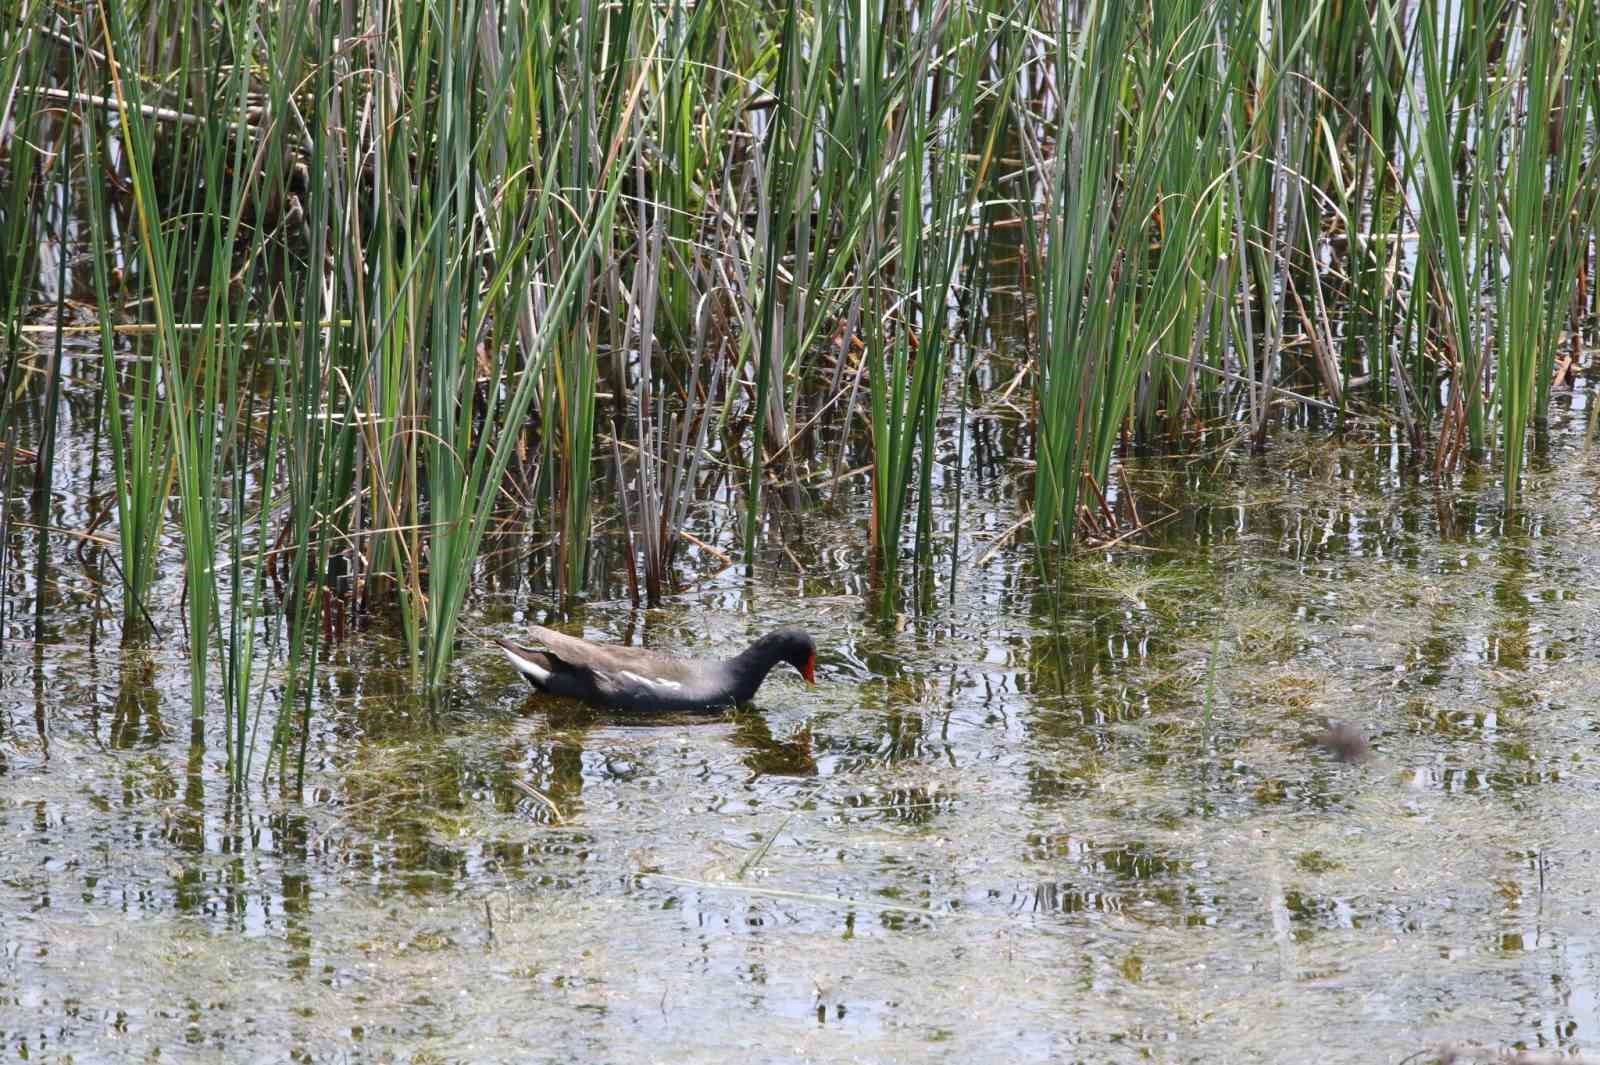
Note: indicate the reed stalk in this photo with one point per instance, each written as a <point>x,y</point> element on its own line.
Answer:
<point>190,421</point>
<point>469,449</point>
<point>775,212</point>
<point>141,458</point>
<point>21,68</point>
<point>1104,304</point>
<point>1452,218</point>
<point>937,196</point>
<point>1541,258</point>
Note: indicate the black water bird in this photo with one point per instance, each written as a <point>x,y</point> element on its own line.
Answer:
<point>628,678</point>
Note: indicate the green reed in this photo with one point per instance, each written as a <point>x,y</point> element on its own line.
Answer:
<point>335,389</point>
<point>677,291</point>
<point>467,431</point>
<point>1362,187</point>
<point>778,168</point>
<point>141,457</point>
<point>189,422</point>
<point>570,398</point>
<point>1100,310</point>
<point>45,464</point>
<point>1541,255</point>
<point>21,232</point>
<point>206,395</point>
<point>1182,178</point>
<point>906,367</point>
<point>1454,213</point>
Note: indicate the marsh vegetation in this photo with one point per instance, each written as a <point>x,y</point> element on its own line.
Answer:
<point>366,292</point>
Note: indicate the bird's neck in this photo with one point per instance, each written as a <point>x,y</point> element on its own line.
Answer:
<point>750,667</point>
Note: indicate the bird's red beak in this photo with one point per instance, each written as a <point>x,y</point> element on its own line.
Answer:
<point>810,672</point>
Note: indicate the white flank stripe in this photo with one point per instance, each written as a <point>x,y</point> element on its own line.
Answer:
<point>527,668</point>
<point>652,682</point>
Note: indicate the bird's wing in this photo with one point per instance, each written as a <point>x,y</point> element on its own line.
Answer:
<point>633,675</point>
<point>570,649</point>
<point>582,653</point>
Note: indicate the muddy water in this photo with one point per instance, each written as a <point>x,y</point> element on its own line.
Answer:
<point>1009,827</point>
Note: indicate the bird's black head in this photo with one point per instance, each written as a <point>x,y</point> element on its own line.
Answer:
<point>796,647</point>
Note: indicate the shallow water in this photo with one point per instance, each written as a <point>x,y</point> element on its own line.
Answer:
<point>1007,827</point>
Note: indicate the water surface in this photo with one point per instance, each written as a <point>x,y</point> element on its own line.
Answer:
<point>1009,826</point>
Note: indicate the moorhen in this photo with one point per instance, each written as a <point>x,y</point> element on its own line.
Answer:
<point>627,678</point>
